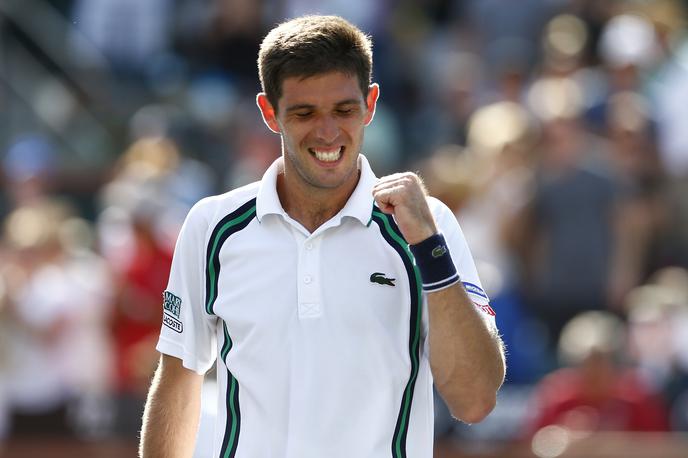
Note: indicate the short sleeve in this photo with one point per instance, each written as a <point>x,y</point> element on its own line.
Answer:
<point>463,260</point>
<point>187,331</point>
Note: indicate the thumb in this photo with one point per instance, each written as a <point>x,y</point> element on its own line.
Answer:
<point>385,207</point>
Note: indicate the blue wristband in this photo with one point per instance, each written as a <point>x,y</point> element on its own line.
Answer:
<point>437,270</point>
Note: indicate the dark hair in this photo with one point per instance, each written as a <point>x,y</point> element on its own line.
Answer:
<point>311,45</point>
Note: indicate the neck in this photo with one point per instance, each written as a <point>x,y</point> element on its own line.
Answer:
<point>311,206</point>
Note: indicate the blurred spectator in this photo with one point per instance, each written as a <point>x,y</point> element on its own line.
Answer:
<point>129,33</point>
<point>666,88</point>
<point>631,131</point>
<point>486,184</point>
<point>144,206</point>
<point>254,152</point>
<point>457,75</point>
<point>29,166</point>
<point>566,41</point>
<point>501,138</point>
<point>223,36</point>
<point>569,236</point>
<point>595,391</point>
<point>153,172</point>
<point>658,320</point>
<point>58,351</point>
<point>506,33</point>
<point>136,319</point>
<point>628,51</point>
<point>633,154</point>
<point>628,47</point>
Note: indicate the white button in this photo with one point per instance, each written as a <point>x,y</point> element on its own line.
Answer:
<point>307,279</point>
<point>309,246</point>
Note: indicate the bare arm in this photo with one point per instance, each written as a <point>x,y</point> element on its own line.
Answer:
<point>171,415</point>
<point>466,355</point>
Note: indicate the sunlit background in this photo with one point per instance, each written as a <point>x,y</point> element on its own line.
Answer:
<point>556,129</point>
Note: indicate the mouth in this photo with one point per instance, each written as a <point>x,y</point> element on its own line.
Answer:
<point>330,156</point>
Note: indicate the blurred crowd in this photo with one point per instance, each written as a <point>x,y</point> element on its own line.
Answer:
<point>554,129</point>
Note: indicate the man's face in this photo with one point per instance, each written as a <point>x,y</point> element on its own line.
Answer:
<point>321,119</point>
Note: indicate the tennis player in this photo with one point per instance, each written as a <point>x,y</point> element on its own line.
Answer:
<point>328,299</point>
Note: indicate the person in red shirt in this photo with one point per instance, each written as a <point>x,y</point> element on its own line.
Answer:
<point>136,322</point>
<point>596,392</point>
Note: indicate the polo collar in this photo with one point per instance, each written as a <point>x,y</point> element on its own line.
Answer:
<point>267,200</point>
<point>359,205</point>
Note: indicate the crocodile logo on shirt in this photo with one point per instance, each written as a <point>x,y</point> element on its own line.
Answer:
<point>379,278</point>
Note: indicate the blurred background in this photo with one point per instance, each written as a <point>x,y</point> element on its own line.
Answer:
<point>555,129</point>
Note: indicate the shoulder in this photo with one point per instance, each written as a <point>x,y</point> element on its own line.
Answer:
<point>210,210</point>
<point>441,212</point>
<point>437,206</point>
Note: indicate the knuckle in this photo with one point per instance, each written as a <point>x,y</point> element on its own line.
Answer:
<point>409,180</point>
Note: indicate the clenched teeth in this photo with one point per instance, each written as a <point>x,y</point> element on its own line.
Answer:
<point>328,156</point>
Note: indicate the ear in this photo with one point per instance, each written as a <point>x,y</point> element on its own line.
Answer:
<point>371,102</point>
<point>268,112</point>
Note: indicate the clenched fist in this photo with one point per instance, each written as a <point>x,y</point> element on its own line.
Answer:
<point>403,195</point>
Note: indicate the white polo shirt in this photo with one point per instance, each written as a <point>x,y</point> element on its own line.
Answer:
<point>320,339</point>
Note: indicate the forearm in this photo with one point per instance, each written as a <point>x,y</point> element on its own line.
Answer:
<point>171,415</point>
<point>466,355</point>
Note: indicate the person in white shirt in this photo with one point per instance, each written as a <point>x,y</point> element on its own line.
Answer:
<point>328,299</point>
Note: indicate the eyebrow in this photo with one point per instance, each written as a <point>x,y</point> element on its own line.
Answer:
<point>301,106</point>
<point>306,106</point>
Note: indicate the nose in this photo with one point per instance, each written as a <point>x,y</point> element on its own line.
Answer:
<point>327,129</point>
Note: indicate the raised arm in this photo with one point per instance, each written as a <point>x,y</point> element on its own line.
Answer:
<point>466,354</point>
<point>171,415</point>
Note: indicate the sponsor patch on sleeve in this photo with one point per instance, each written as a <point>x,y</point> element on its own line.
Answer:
<point>172,304</point>
<point>475,289</point>
<point>485,308</point>
<point>172,323</point>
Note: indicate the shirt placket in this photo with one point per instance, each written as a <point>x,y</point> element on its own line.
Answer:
<point>308,276</point>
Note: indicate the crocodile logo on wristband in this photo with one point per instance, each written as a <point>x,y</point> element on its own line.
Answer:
<point>439,251</point>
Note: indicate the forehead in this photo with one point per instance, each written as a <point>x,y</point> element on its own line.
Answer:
<point>320,90</point>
